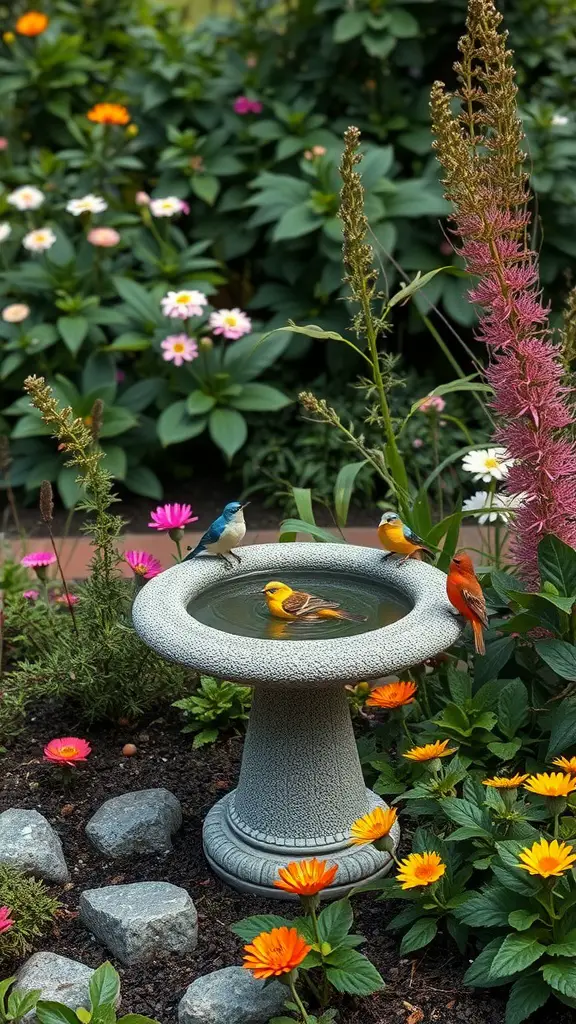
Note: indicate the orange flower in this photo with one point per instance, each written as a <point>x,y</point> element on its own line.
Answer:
<point>276,952</point>
<point>392,695</point>
<point>551,784</point>
<point>108,113</point>
<point>547,859</point>
<point>430,751</point>
<point>420,869</point>
<point>568,764</point>
<point>33,23</point>
<point>373,826</point>
<point>306,877</point>
<point>502,782</point>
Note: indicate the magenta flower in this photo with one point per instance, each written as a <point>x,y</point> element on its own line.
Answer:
<point>432,403</point>
<point>172,517</point>
<point>143,564</point>
<point>243,105</point>
<point>68,599</point>
<point>67,750</point>
<point>6,921</point>
<point>31,595</point>
<point>38,559</point>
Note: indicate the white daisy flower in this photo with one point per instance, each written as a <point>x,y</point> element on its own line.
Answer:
<point>28,197</point>
<point>496,506</point>
<point>5,231</point>
<point>87,204</point>
<point>487,464</point>
<point>167,207</point>
<point>39,240</point>
<point>560,120</point>
<point>230,323</point>
<point>183,304</point>
<point>15,313</point>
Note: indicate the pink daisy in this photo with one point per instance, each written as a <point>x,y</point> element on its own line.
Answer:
<point>66,599</point>
<point>230,323</point>
<point>67,750</point>
<point>432,403</point>
<point>183,304</point>
<point>179,348</point>
<point>38,559</point>
<point>143,564</point>
<point>172,517</point>
<point>6,921</point>
<point>31,595</point>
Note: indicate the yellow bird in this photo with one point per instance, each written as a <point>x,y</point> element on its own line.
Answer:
<point>285,603</point>
<point>395,536</point>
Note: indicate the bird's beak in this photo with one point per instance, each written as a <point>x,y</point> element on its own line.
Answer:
<point>245,505</point>
<point>263,591</point>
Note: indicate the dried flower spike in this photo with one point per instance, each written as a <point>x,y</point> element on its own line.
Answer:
<point>46,501</point>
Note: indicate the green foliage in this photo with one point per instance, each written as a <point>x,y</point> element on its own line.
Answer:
<point>32,909</point>
<point>215,707</point>
<point>15,1006</point>
<point>104,993</point>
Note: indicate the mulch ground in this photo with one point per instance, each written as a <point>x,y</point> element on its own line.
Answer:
<point>425,987</point>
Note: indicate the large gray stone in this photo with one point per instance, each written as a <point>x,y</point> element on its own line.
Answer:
<point>58,978</point>
<point>135,823</point>
<point>142,920</point>
<point>28,842</point>
<point>231,996</point>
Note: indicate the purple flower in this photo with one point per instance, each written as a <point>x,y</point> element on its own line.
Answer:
<point>243,105</point>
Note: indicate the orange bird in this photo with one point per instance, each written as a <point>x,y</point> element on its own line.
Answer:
<point>465,593</point>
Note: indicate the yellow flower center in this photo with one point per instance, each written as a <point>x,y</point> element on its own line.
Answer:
<point>491,463</point>
<point>424,872</point>
<point>68,751</point>
<point>230,321</point>
<point>178,347</point>
<point>183,299</point>
<point>548,863</point>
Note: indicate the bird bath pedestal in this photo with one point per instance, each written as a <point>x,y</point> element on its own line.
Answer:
<point>301,784</point>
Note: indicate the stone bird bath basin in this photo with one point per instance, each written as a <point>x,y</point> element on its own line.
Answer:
<point>301,784</point>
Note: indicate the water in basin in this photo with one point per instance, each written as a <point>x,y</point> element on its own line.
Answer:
<point>238,606</point>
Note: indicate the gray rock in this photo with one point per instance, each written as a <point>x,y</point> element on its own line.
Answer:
<point>58,978</point>
<point>231,996</point>
<point>142,920</point>
<point>135,823</point>
<point>28,842</point>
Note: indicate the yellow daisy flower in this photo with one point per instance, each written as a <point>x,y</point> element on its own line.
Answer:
<point>567,764</point>
<point>551,784</point>
<point>502,782</point>
<point>547,859</point>
<point>430,751</point>
<point>420,869</point>
<point>372,826</point>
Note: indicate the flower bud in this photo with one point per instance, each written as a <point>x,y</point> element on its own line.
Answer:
<point>8,38</point>
<point>132,131</point>
<point>205,344</point>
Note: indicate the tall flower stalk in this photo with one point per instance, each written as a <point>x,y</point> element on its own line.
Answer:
<point>480,150</point>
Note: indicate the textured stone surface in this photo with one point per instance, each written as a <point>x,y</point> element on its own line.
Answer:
<point>231,996</point>
<point>142,920</point>
<point>58,978</point>
<point>28,842</point>
<point>135,823</point>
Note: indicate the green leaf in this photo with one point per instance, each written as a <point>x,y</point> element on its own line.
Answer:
<point>256,397</point>
<point>104,986</point>
<point>49,1012</point>
<point>562,728</point>
<point>505,751</point>
<point>349,25</point>
<point>335,922</point>
<point>142,480</point>
<point>512,707</point>
<point>139,300</point>
<point>498,654</point>
<point>249,927</point>
<point>526,995</point>
<point>204,737</point>
<point>136,1018</point>
<point>565,947</point>
<point>228,430</point>
<point>129,342</point>
<point>248,357</point>
<point>516,953</point>
<point>289,526</point>
<point>174,425</point>
<point>420,934</point>
<point>521,920</point>
<point>99,373</point>
<point>460,685</point>
<point>206,187</point>
<point>73,330</point>
<point>29,426</point>
<point>303,501</point>
<point>489,908</point>
<point>70,491</point>
<point>294,223</point>
<point>117,420</point>
<point>19,1003</point>
<point>402,24</point>
<point>561,977</point>
<point>463,812</point>
<point>560,656</point>
<point>479,974</point>
<point>140,395</point>
<point>198,403</point>
<point>115,460</point>
<point>343,489</point>
<point>349,971</point>
<point>557,564</point>
<point>418,282</point>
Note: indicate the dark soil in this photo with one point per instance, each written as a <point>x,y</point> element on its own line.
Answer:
<point>423,988</point>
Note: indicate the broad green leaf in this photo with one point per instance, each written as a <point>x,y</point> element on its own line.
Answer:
<point>104,986</point>
<point>69,490</point>
<point>565,946</point>
<point>228,430</point>
<point>129,342</point>
<point>505,751</point>
<point>303,501</point>
<point>174,425</point>
<point>142,480</point>
<point>298,221</point>
<point>318,532</point>
<point>349,971</point>
<point>99,373</point>
<point>256,397</point>
<point>460,685</point>
<point>562,728</point>
<point>19,1003</point>
<point>49,1012</point>
<point>557,564</point>
<point>526,995</point>
<point>198,403</point>
<point>498,654</point>
<point>140,395</point>
<point>349,25</point>
<point>249,927</point>
<point>561,976</point>
<point>489,908</point>
<point>136,1018</point>
<point>343,489</point>
<point>139,300</point>
<point>479,974</point>
<point>418,282</point>
<point>73,330</point>
<point>206,187</point>
<point>248,357</point>
<point>402,24</point>
<point>420,934</point>
<point>560,656</point>
<point>115,460</point>
<point>117,420</point>
<point>516,953</point>
<point>463,812</point>
<point>521,920</point>
<point>29,426</point>
<point>512,707</point>
<point>335,922</point>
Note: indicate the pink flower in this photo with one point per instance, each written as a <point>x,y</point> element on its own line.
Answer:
<point>243,105</point>
<point>143,564</point>
<point>433,403</point>
<point>3,143</point>
<point>31,595</point>
<point>184,206</point>
<point>417,442</point>
<point>67,750</point>
<point>68,599</point>
<point>142,199</point>
<point>230,323</point>
<point>6,921</point>
<point>38,559</point>
<point>179,348</point>
<point>168,206</point>
<point>184,304</point>
<point>172,517</point>
<point>104,238</point>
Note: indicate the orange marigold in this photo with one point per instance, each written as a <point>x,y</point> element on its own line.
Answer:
<point>420,869</point>
<point>108,113</point>
<point>504,782</point>
<point>276,952</point>
<point>430,751</point>
<point>392,695</point>
<point>306,877</point>
<point>373,826</point>
<point>551,784</point>
<point>547,859</point>
<point>33,23</point>
<point>568,764</point>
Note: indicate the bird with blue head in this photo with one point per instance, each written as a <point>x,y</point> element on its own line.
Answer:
<point>224,534</point>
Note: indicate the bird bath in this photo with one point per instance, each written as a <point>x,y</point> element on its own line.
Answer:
<point>301,784</point>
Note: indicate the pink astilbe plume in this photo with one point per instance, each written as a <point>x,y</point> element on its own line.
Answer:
<point>481,154</point>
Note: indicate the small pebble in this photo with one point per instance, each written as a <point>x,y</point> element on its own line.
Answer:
<point>128,750</point>
<point>67,810</point>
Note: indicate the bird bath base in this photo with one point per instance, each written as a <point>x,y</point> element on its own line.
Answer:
<point>301,785</point>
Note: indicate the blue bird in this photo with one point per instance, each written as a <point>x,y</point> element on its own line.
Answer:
<point>225,533</point>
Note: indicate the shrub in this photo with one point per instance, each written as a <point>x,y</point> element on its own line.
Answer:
<point>31,908</point>
<point>216,706</point>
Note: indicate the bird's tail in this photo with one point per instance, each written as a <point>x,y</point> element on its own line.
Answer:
<point>331,613</point>
<point>478,637</point>
<point>419,554</point>
<point>199,547</point>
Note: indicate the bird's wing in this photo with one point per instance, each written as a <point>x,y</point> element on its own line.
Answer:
<point>477,604</point>
<point>214,531</point>
<point>300,603</point>
<point>410,535</point>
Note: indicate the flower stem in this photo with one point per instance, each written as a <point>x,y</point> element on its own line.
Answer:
<point>297,999</point>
